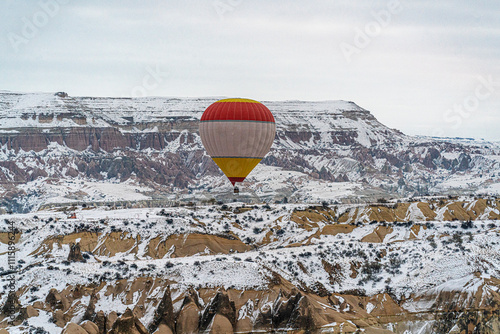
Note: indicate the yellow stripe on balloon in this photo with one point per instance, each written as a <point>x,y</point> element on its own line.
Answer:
<point>237,167</point>
<point>237,100</point>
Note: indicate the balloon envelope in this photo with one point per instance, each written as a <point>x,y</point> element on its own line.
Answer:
<point>237,134</point>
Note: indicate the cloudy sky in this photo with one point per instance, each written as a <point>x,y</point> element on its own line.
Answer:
<point>423,67</point>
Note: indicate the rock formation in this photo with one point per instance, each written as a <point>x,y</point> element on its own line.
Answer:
<point>128,324</point>
<point>164,314</point>
<point>221,307</point>
<point>75,254</point>
<point>321,142</point>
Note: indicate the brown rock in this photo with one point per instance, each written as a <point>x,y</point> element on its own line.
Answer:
<point>12,304</point>
<point>61,319</point>
<point>77,292</point>
<point>303,315</point>
<point>284,308</point>
<point>5,237</point>
<point>140,327</point>
<point>110,319</point>
<point>378,235</point>
<point>163,329</point>
<point>54,300</point>
<point>298,311</point>
<point>244,325</point>
<point>189,318</point>
<point>71,172</point>
<point>128,324</point>
<point>220,304</point>
<point>38,305</point>
<point>30,311</point>
<point>100,320</point>
<point>193,243</point>
<point>75,254</point>
<point>221,325</point>
<point>72,328</point>
<point>334,272</point>
<point>264,319</point>
<point>164,314</point>
<point>118,242</point>
<point>90,327</point>
<point>334,229</point>
<point>90,311</point>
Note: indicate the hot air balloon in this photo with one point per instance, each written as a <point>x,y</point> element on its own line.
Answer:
<point>237,134</point>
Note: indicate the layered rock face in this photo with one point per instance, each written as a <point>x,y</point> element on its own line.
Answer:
<point>428,266</point>
<point>154,142</point>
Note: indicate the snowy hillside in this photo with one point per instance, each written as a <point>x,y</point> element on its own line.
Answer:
<point>336,267</point>
<point>56,148</point>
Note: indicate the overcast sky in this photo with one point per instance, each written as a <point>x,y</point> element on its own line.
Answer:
<point>424,67</point>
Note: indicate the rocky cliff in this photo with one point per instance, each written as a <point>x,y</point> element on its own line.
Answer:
<point>58,141</point>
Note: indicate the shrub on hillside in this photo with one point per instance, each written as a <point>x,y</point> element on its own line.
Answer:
<point>468,224</point>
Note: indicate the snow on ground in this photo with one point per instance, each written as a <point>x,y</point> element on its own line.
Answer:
<point>458,181</point>
<point>116,191</point>
<point>82,190</point>
<point>442,256</point>
<point>406,267</point>
<point>42,321</point>
<point>297,186</point>
<point>493,189</point>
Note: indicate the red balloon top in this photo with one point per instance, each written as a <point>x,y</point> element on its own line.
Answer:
<point>238,110</point>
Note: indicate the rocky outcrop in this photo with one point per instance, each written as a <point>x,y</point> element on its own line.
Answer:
<point>102,322</point>
<point>90,310</point>
<point>55,301</point>
<point>448,209</point>
<point>188,319</point>
<point>75,254</point>
<point>28,312</point>
<point>12,304</point>
<point>163,329</point>
<point>188,245</point>
<point>285,307</point>
<point>164,314</point>
<point>72,328</point>
<point>12,307</point>
<point>222,307</point>
<point>128,323</point>
<point>110,243</point>
<point>220,325</point>
<point>90,327</point>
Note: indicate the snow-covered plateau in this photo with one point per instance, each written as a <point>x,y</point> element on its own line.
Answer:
<point>58,149</point>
